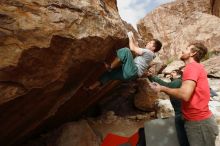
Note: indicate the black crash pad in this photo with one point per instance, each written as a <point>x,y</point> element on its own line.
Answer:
<point>161,132</point>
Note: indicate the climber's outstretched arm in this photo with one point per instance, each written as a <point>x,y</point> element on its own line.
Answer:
<point>133,44</point>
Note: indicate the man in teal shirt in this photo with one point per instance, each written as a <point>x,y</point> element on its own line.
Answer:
<point>176,82</point>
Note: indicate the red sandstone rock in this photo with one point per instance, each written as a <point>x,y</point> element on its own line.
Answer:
<point>48,50</point>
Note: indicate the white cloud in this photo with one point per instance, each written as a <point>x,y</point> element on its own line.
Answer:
<point>163,1</point>
<point>133,10</point>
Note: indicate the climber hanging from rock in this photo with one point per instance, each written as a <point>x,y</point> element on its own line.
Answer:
<point>124,66</point>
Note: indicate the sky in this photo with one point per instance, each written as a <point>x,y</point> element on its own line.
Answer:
<point>133,10</point>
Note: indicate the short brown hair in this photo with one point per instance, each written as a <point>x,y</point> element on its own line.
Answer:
<point>177,71</point>
<point>157,45</point>
<point>200,49</point>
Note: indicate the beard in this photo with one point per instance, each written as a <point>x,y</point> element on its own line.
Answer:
<point>184,57</point>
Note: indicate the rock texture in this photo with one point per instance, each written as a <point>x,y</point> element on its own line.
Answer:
<point>178,23</point>
<point>78,133</point>
<point>215,7</point>
<point>118,127</point>
<point>91,131</point>
<point>145,99</point>
<point>164,108</point>
<point>212,66</point>
<point>48,50</point>
<point>214,84</point>
<point>173,66</point>
<point>137,36</point>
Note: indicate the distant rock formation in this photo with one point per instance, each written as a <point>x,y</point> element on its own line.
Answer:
<point>178,23</point>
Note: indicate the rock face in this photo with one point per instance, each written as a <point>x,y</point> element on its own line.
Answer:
<point>179,23</point>
<point>148,100</point>
<point>213,66</point>
<point>137,36</point>
<point>48,50</point>
<point>164,108</point>
<point>145,99</point>
<point>70,134</point>
<point>215,7</point>
<point>175,65</point>
<point>78,133</point>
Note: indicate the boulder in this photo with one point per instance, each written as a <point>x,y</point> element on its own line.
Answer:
<point>145,98</point>
<point>212,66</point>
<point>49,50</point>
<point>179,23</point>
<point>215,7</point>
<point>214,84</point>
<point>164,108</point>
<point>199,27</point>
<point>78,133</point>
<point>173,66</point>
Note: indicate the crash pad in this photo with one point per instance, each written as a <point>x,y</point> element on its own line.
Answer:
<point>116,140</point>
<point>161,132</point>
